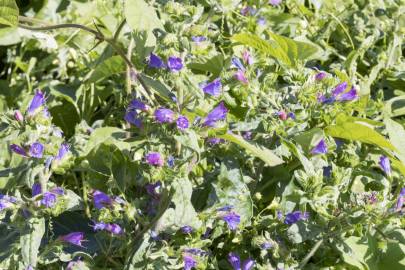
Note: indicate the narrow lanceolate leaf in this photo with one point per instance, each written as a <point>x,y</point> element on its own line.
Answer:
<point>258,151</point>
<point>358,132</point>
<point>8,13</point>
<point>31,241</point>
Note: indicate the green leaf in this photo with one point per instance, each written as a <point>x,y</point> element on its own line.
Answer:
<point>31,241</point>
<point>393,258</point>
<point>108,67</point>
<point>396,134</point>
<point>8,13</point>
<point>183,213</point>
<point>256,150</point>
<point>102,135</point>
<point>283,49</point>
<point>141,17</point>
<point>214,64</point>
<point>9,36</point>
<point>158,87</point>
<point>358,132</point>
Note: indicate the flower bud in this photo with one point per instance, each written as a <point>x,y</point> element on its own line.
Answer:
<point>18,116</point>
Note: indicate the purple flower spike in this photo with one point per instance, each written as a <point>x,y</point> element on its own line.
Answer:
<point>114,229</point>
<point>174,63</point>
<point>198,39</point>
<point>340,88</point>
<point>320,76</point>
<point>237,63</point>
<point>217,114</point>
<point>248,264</point>
<point>74,238</point>
<point>349,95</point>
<point>101,200</point>
<point>295,216</point>
<point>234,260</point>
<point>186,229</point>
<point>385,165</point>
<point>48,199</point>
<point>132,118</point>
<point>232,220</point>
<point>182,122</point>
<point>240,76</point>
<point>37,101</point>
<point>275,2</point>
<point>247,58</point>
<point>136,104</point>
<point>18,150</point>
<point>163,115</point>
<point>36,150</point>
<point>155,61</point>
<point>155,159</point>
<point>36,189</point>
<point>320,148</point>
<point>189,262</point>
<point>62,152</point>
<point>18,116</point>
<point>213,88</point>
<point>401,200</point>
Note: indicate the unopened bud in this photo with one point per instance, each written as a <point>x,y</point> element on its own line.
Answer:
<point>18,116</point>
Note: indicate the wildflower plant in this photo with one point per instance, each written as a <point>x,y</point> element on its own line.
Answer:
<point>202,135</point>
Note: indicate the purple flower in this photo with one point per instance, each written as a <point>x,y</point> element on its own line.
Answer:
<point>155,61</point>
<point>232,220</point>
<point>295,216</point>
<point>29,267</point>
<point>170,161</point>
<point>240,76</point>
<point>247,58</point>
<point>119,200</point>
<point>37,101</point>
<point>58,191</point>
<point>385,165</point>
<point>48,199</point>
<point>174,63</point>
<point>218,113</point>
<point>279,215</point>
<point>46,113</point>
<point>275,2</point>
<point>234,260</point>
<point>152,189</point>
<point>114,228</point>
<point>324,100</point>
<point>189,262</point>
<point>36,189</point>
<point>248,11</point>
<point>320,76</point>
<point>237,63</point>
<point>18,116</point>
<point>320,148</point>
<point>207,233</point>
<point>36,150</point>
<point>186,229</point>
<point>18,150</point>
<point>196,251</point>
<point>401,200</point>
<point>248,264</point>
<point>247,135</point>
<point>340,88</point>
<point>266,245</point>
<point>74,238</point>
<point>213,88</point>
<point>214,141</point>
<point>101,200</point>
<point>282,115</point>
<point>163,115</point>
<point>327,171</point>
<point>291,115</point>
<point>138,105</point>
<point>261,21</point>
<point>155,159</point>
<point>131,117</point>
<point>198,39</point>
<point>182,122</point>
<point>63,150</point>
<point>99,226</point>
<point>48,162</point>
<point>349,95</point>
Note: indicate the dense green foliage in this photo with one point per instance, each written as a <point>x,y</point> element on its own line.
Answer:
<point>162,134</point>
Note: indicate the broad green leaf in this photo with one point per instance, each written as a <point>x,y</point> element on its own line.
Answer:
<point>102,135</point>
<point>8,13</point>
<point>214,64</point>
<point>31,240</point>
<point>283,49</point>
<point>396,134</point>
<point>256,150</point>
<point>183,213</point>
<point>189,139</point>
<point>393,257</point>
<point>108,67</point>
<point>9,36</point>
<point>141,17</point>
<point>358,132</point>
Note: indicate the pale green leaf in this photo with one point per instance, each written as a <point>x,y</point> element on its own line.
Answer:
<point>258,151</point>
<point>8,13</point>
<point>110,66</point>
<point>31,240</point>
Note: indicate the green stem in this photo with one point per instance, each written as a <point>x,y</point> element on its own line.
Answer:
<point>310,254</point>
